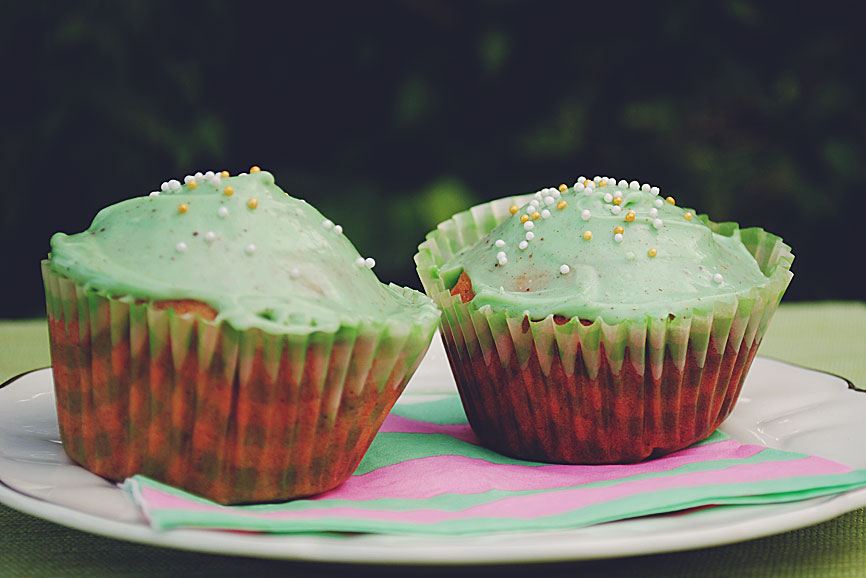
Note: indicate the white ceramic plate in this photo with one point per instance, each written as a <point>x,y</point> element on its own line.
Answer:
<point>782,406</point>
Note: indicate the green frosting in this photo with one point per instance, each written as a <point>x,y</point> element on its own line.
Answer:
<point>258,256</point>
<point>560,272</point>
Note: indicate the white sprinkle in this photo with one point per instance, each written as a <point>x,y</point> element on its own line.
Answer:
<point>174,184</point>
<point>659,203</point>
<point>634,185</point>
<point>223,212</point>
<point>616,209</point>
<point>618,237</point>
<point>523,245</point>
<point>370,262</point>
<point>499,243</point>
<point>294,273</point>
<point>590,184</point>
<point>338,229</point>
<point>199,176</point>
<point>645,188</point>
<point>209,175</point>
<point>188,179</point>
<point>608,198</point>
<point>718,278</point>
<point>503,261</point>
<point>534,202</point>
<point>215,180</point>
<point>549,200</point>
<point>359,262</point>
<point>578,187</point>
<point>654,212</point>
<point>180,247</point>
<point>501,255</point>
<point>623,183</point>
<point>164,187</point>
<point>250,249</point>
<point>597,179</point>
<point>210,236</point>
<point>657,223</point>
<point>154,194</point>
<point>528,225</point>
<point>327,224</point>
<point>545,214</point>
<point>530,235</point>
<point>581,180</point>
<point>564,269</point>
<point>585,214</point>
<point>654,190</point>
<point>556,194</point>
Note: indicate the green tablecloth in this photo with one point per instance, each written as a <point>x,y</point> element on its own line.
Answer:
<point>826,336</point>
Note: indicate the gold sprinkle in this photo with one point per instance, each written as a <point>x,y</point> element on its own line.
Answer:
<point>587,235</point>
<point>671,200</point>
<point>652,252</point>
<point>602,183</point>
<point>182,208</point>
<point>229,191</point>
<point>513,209</point>
<point>563,187</point>
<point>535,216</point>
<point>255,169</point>
<point>629,217</point>
<point>561,205</point>
<point>617,200</point>
<point>687,216</point>
<point>253,203</point>
<point>225,174</point>
<point>524,217</point>
<point>192,184</point>
<point>618,229</point>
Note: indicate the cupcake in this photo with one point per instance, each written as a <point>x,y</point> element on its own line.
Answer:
<point>599,323</point>
<point>225,338</point>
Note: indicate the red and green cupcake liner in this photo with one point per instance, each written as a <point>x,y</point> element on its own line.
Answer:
<point>233,416</point>
<point>585,391</point>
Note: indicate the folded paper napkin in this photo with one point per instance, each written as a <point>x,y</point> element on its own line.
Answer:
<point>427,473</point>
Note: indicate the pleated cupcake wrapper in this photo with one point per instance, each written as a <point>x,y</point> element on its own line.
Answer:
<point>624,391</point>
<point>234,416</point>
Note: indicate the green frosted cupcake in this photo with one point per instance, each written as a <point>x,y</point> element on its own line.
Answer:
<point>601,322</point>
<point>224,337</point>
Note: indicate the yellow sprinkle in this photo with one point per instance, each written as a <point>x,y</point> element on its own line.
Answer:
<point>561,205</point>
<point>587,235</point>
<point>225,174</point>
<point>535,216</point>
<point>563,187</point>
<point>629,217</point>
<point>229,191</point>
<point>602,183</point>
<point>192,184</point>
<point>524,217</point>
<point>671,200</point>
<point>255,169</point>
<point>253,203</point>
<point>182,208</point>
<point>652,252</point>
<point>513,209</point>
<point>617,200</point>
<point>687,216</point>
<point>618,229</point>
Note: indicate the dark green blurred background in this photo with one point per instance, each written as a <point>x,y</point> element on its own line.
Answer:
<point>391,116</point>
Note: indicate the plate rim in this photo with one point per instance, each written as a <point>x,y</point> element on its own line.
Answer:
<point>378,549</point>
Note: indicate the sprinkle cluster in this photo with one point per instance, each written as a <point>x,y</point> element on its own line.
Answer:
<point>191,182</point>
<point>616,196</point>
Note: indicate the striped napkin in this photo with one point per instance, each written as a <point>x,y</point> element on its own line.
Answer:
<point>427,473</point>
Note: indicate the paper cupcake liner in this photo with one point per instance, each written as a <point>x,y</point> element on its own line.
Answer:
<point>597,393</point>
<point>233,416</point>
